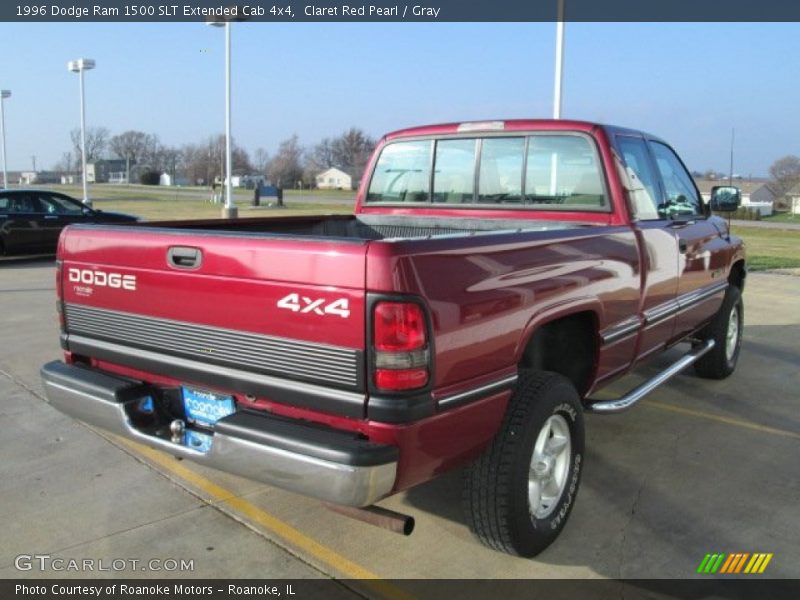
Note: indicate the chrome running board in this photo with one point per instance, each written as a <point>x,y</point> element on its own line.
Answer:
<point>607,407</point>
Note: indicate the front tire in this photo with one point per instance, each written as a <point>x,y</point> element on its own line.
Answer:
<point>519,493</point>
<point>726,330</point>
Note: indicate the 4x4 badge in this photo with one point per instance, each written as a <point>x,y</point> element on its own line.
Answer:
<point>303,305</point>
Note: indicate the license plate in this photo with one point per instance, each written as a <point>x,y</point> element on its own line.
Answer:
<point>206,408</point>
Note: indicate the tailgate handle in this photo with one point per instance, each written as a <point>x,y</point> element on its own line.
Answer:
<point>182,257</point>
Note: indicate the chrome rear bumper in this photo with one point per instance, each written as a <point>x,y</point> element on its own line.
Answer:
<point>323,463</point>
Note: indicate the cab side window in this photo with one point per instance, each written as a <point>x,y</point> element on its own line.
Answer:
<point>681,194</point>
<point>563,172</point>
<point>641,178</point>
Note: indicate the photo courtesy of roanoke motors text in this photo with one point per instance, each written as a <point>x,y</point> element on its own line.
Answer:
<point>375,300</point>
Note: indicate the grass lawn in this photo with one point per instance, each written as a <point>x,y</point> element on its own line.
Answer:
<point>784,217</point>
<point>106,191</point>
<point>160,203</point>
<point>770,248</point>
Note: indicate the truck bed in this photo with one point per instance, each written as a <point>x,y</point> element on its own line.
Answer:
<point>361,227</point>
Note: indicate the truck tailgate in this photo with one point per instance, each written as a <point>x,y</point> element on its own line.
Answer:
<point>245,306</point>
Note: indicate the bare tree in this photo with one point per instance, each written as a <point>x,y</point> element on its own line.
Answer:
<point>206,161</point>
<point>96,142</point>
<point>323,155</point>
<point>784,175</point>
<point>261,161</point>
<point>351,151</point>
<point>131,146</point>
<point>66,164</point>
<point>286,168</point>
<point>167,159</point>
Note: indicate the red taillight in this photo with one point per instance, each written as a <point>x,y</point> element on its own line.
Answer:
<point>400,344</point>
<point>404,379</point>
<point>399,327</point>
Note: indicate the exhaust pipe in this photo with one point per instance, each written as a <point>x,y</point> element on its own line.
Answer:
<point>380,517</point>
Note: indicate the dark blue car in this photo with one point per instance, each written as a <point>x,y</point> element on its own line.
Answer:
<point>31,220</point>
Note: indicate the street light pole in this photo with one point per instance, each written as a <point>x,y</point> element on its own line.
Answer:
<point>559,75</point>
<point>3,95</point>
<point>83,143</point>
<point>557,85</point>
<point>79,66</point>
<point>230,209</point>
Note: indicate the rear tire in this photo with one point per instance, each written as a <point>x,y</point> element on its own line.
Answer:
<point>519,493</point>
<point>726,330</point>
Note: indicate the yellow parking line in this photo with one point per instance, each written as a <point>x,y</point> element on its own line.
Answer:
<point>723,419</point>
<point>266,520</point>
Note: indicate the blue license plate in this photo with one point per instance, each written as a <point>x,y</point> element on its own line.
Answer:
<point>206,408</point>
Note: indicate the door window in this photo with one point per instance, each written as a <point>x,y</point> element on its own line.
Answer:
<point>55,205</point>
<point>21,204</point>
<point>681,194</point>
<point>641,178</point>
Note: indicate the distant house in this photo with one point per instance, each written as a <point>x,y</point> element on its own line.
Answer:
<point>334,179</point>
<point>100,171</point>
<point>755,193</point>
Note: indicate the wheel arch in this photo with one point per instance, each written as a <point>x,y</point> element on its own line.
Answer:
<point>566,343</point>
<point>738,274</point>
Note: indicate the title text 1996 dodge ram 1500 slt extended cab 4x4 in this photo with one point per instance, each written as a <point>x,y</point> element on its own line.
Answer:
<point>494,276</point>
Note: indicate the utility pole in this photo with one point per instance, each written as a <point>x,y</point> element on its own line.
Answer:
<point>730,173</point>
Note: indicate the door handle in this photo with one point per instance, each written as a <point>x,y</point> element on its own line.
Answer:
<point>50,217</point>
<point>682,246</point>
<point>183,257</point>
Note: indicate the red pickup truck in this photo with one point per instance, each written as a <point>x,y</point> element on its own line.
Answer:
<point>493,278</point>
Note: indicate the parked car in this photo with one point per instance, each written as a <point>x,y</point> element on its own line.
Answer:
<point>32,220</point>
<point>493,278</point>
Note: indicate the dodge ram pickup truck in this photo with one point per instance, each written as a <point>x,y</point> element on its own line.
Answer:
<point>493,277</point>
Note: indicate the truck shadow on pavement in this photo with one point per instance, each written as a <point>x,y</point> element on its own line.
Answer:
<point>668,481</point>
<point>38,261</point>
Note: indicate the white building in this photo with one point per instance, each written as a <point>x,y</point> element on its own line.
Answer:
<point>334,179</point>
<point>794,199</point>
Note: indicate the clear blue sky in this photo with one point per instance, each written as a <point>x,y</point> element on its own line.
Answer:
<point>688,83</point>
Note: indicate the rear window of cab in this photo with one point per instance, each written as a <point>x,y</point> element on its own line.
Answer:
<point>547,171</point>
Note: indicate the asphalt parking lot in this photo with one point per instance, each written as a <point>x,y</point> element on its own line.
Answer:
<point>700,466</point>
